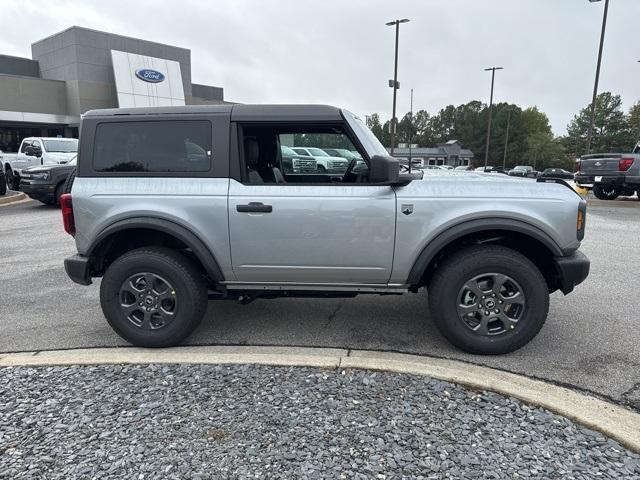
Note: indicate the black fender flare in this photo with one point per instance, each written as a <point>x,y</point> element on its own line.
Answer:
<point>460,230</point>
<point>186,236</point>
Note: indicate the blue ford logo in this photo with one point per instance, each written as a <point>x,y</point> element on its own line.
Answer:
<point>148,75</point>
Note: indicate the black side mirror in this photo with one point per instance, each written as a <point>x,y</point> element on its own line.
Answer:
<point>386,170</point>
<point>383,169</point>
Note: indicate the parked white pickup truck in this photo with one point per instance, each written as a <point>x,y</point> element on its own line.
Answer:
<point>35,151</point>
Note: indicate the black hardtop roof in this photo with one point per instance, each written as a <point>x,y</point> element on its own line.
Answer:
<point>238,112</point>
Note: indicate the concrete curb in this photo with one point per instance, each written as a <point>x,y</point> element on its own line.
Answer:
<point>612,420</point>
<point>12,198</point>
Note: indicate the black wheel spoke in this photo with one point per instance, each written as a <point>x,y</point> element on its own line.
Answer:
<point>490,304</point>
<point>148,301</point>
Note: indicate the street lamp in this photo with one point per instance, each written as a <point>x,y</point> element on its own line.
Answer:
<point>595,85</point>
<point>394,83</point>
<point>493,75</point>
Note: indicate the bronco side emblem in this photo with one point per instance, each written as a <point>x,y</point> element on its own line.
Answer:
<point>407,209</point>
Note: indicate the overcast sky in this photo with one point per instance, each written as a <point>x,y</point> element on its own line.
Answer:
<point>341,52</point>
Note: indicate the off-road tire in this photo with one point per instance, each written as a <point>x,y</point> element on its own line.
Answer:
<point>58,193</point>
<point>602,194</point>
<point>179,271</point>
<point>13,181</point>
<point>68,183</point>
<point>466,264</point>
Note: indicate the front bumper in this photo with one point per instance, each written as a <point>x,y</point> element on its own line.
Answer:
<point>43,192</point>
<point>571,270</point>
<point>78,268</point>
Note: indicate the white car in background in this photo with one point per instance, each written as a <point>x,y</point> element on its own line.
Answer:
<point>326,163</point>
<point>37,151</point>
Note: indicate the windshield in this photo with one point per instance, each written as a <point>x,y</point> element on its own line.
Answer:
<point>61,145</point>
<point>369,141</point>
<point>317,152</point>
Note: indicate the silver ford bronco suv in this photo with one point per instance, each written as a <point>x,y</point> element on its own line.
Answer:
<point>176,206</point>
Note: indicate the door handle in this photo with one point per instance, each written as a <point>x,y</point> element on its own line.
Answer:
<point>258,207</point>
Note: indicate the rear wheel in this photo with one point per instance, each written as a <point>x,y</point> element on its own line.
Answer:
<point>153,296</point>
<point>3,184</point>
<point>605,192</point>
<point>488,299</point>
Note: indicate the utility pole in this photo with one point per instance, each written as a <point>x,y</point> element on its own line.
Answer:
<point>506,140</point>
<point>486,151</point>
<point>394,83</point>
<point>411,132</point>
<point>595,84</point>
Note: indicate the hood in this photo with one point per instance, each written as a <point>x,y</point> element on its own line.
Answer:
<point>59,157</point>
<point>465,184</point>
<point>47,168</point>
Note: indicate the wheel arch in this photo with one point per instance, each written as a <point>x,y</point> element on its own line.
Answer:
<point>128,234</point>
<point>528,239</point>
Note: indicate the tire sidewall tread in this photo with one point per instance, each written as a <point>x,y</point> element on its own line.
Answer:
<point>476,260</point>
<point>180,271</point>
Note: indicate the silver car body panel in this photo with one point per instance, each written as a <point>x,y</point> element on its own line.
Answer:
<point>444,199</point>
<point>315,233</point>
<point>198,204</point>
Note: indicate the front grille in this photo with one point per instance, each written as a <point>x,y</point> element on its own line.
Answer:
<point>337,165</point>
<point>304,165</point>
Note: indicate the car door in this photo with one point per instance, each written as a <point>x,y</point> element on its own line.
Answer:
<point>310,233</point>
<point>21,160</point>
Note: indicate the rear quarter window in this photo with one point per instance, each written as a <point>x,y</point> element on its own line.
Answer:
<point>162,146</point>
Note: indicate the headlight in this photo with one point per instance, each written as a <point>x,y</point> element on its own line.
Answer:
<point>40,176</point>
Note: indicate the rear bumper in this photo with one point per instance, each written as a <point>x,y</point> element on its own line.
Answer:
<point>609,179</point>
<point>571,270</point>
<point>78,268</point>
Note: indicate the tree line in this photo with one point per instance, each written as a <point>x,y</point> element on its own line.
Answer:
<point>530,140</point>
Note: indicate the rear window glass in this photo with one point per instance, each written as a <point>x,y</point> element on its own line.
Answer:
<point>163,146</point>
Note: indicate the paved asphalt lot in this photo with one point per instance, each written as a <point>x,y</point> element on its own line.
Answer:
<point>590,341</point>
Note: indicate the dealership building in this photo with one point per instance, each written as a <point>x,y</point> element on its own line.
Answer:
<point>80,69</point>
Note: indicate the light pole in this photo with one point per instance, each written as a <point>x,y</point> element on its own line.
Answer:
<point>395,83</point>
<point>595,84</point>
<point>411,130</point>
<point>506,140</point>
<point>486,151</point>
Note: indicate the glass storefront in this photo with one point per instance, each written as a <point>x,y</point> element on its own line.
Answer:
<point>12,135</point>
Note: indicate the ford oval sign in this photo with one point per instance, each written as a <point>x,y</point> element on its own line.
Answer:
<point>151,76</point>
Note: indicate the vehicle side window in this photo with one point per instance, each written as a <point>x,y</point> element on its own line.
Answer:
<point>25,144</point>
<point>153,146</point>
<point>275,154</point>
<point>36,145</point>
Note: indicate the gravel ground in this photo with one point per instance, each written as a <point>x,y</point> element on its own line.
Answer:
<point>143,422</point>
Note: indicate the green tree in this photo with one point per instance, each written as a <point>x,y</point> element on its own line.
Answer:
<point>611,130</point>
<point>634,122</point>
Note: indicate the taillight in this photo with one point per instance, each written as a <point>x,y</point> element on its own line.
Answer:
<point>624,164</point>
<point>66,206</point>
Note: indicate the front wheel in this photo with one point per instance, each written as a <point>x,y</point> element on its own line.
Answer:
<point>605,192</point>
<point>13,181</point>
<point>153,296</point>
<point>488,299</point>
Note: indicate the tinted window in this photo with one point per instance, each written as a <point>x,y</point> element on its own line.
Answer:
<point>163,146</point>
<point>25,144</point>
